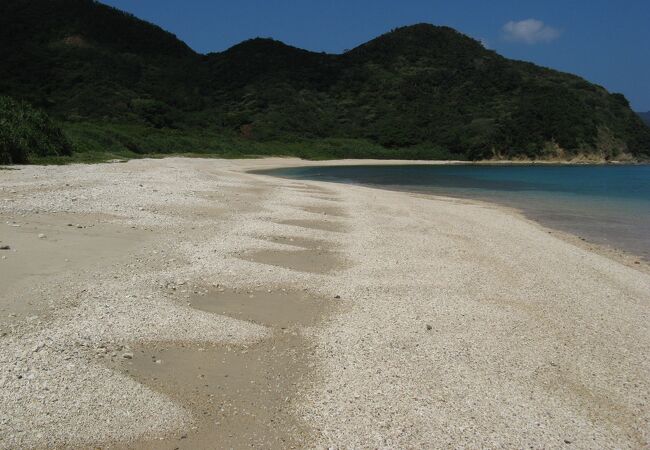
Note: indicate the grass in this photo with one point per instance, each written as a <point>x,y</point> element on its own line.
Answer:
<point>95,142</point>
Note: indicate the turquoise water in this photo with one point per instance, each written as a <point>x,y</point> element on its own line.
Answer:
<point>605,204</point>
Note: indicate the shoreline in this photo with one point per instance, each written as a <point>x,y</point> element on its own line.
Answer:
<point>404,310</point>
<point>190,155</point>
<point>620,255</point>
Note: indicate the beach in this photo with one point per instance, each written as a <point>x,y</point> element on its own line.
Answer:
<point>189,303</point>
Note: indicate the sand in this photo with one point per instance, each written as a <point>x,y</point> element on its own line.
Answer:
<point>186,303</point>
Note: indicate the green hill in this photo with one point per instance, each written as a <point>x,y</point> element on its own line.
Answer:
<point>645,116</point>
<point>119,84</point>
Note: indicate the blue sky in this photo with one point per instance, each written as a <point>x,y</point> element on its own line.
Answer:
<point>605,41</point>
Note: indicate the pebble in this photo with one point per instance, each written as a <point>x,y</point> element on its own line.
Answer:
<point>5,247</point>
<point>91,381</point>
<point>41,236</point>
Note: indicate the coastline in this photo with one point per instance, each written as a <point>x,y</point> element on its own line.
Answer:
<point>429,300</point>
<point>618,254</point>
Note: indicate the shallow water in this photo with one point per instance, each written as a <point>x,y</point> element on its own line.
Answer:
<point>607,205</point>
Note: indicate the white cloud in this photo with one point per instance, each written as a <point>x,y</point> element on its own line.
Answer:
<point>530,31</point>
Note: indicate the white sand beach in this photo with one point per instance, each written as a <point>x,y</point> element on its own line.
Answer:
<point>186,303</point>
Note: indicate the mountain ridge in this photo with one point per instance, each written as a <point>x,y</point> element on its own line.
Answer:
<point>420,86</point>
<point>645,116</point>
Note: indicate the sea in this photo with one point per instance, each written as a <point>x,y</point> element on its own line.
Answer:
<point>604,204</point>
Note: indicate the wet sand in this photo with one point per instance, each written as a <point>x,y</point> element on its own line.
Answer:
<point>47,246</point>
<point>201,306</point>
<point>241,397</point>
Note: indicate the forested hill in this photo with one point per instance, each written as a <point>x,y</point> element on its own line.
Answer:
<point>645,116</point>
<point>419,91</point>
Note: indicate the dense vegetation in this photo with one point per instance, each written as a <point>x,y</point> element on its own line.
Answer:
<point>645,116</point>
<point>27,133</point>
<point>123,86</point>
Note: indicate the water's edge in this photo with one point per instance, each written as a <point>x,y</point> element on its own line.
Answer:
<point>603,228</point>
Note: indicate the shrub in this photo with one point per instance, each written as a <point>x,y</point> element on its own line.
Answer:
<point>26,132</point>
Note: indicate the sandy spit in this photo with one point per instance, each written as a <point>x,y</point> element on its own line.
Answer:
<point>453,324</point>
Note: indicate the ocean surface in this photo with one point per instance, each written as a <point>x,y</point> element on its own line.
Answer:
<point>604,204</point>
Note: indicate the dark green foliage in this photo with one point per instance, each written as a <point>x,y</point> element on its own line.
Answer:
<point>79,58</point>
<point>410,92</point>
<point>645,116</point>
<point>104,141</point>
<point>26,133</point>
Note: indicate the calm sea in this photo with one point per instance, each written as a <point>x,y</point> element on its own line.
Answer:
<point>604,204</point>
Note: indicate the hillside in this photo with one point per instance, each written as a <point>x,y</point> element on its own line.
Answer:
<point>645,116</point>
<point>421,91</point>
